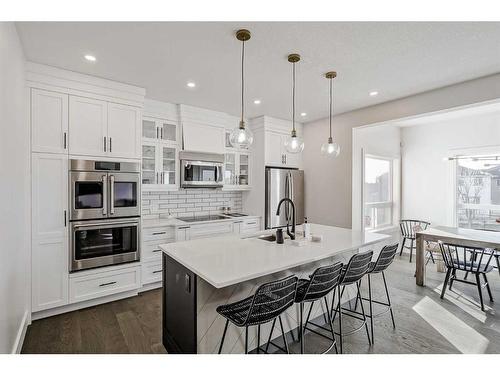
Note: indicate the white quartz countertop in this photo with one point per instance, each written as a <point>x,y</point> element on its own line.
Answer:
<point>228,260</point>
<point>178,222</point>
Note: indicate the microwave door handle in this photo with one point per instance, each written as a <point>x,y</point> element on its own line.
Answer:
<point>218,171</point>
<point>112,195</point>
<point>104,179</point>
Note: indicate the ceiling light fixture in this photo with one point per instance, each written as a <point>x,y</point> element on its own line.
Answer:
<point>373,93</point>
<point>90,58</point>
<point>256,101</point>
<point>303,114</point>
<point>191,85</point>
<point>293,144</point>
<point>240,137</point>
<point>331,148</point>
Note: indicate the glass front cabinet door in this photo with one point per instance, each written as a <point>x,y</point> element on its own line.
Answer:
<point>160,154</point>
<point>236,171</point>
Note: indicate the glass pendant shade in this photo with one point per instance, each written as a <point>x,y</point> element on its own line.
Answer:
<point>294,144</point>
<point>330,149</point>
<point>241,138</point>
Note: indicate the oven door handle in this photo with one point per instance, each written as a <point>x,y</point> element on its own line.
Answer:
<point>104,179</point>
<point>113,224</point>
<point>111,194</point>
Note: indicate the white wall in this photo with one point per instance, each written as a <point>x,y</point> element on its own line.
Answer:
<point>383,140</point>
<point>14,191</point>
<point>328,183</point>
<point>427,180</point>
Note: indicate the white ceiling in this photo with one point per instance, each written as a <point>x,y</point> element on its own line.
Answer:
<point>396,59</point>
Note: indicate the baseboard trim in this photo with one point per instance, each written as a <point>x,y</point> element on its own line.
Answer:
<point>82,305</point>
<point>151,286</point>
<point>21,334</point>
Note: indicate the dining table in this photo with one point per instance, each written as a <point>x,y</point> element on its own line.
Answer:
<point>453,236</point>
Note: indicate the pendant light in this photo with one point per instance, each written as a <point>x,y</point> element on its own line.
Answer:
<point>330,149</point>
<point>293,144</point>
<point>241,137</point>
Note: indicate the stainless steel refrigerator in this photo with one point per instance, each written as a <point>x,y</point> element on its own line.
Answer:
<point>284,183</point>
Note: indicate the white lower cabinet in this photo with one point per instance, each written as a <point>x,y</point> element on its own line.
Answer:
<point>97,283</point>
<point>151,272</point>
<point>209,230</point>
<point>247,226</point>
<point>50,250</point>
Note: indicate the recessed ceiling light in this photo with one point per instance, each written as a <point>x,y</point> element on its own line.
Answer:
<point>191,84</point>
<point>90,58</point>
<point>303,114</point>
<point>256,101</point>
<point>373,93</point>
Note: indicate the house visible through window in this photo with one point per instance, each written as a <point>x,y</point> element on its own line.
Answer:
<point>478,193</point>
<point>378,202</point>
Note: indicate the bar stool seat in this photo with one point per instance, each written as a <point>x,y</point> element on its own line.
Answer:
<point>236,312</point>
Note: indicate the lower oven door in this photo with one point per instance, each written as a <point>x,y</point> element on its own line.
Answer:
<point>100,243</point>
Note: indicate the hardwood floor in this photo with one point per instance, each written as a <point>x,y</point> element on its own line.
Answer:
<point>424,322</point>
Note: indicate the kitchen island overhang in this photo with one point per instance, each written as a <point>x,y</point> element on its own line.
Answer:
<point>200,275</point>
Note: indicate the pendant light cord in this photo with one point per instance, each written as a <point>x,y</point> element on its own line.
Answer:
<point>293,96</point>
<point>331,105</point>
<point>242,82</point>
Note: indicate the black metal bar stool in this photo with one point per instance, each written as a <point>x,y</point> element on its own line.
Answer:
<point>266,305</point>
<point>383,261</point>
<point>317,287</point>
<point>352,274</point>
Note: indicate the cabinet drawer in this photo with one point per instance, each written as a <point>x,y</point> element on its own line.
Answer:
<point>102,284</point>
<point>151,251</point>
<point>155,234</point>
<point>208,230</point>
<point>250,226</point>
<point>151,272</point>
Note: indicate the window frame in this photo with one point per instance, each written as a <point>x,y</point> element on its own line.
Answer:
<point>384,204</point>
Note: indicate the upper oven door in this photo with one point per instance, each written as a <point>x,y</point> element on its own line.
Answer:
<point>201,174</point>
<point>124,194</point>
<point>89,195</point>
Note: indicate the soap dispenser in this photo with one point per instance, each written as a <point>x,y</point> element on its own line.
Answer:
<point>306,229</point>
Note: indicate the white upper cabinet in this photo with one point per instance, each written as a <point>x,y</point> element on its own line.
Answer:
<point>49,121</point>
<point>203,138</point>
<point>99,128</point>
<point>276,153</point>
<point>124,131</point>
<point>88,124</point>
<point>160,154</point>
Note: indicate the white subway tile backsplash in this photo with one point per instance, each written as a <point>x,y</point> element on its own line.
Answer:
<point>188,203</point>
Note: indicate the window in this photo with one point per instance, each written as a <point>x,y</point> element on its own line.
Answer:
<point>478,192</point>
<point>378,202</point>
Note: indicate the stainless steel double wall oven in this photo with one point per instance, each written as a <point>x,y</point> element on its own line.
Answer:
<point>105,210</point>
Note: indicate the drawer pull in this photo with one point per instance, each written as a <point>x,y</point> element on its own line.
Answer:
<point>157,271</point>
<point>251,223</point>
<point>184,227</point>
<point>106,284</point>
<point>155,251</point>
<point>158,233</point>
<point>238,222</point>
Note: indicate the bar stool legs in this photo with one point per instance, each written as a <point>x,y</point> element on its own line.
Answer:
<point>223,336</point>
<point>389,301</point>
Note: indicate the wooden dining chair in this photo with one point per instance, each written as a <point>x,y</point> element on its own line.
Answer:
<point>409,228</point>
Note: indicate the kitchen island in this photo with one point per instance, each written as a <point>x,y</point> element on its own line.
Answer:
<point>201,274</point>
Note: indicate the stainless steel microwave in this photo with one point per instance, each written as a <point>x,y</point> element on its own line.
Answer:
<point>201,170</point>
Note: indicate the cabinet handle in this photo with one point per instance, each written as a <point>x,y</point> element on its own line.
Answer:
<point>157,133</point>
<point>110,144</point>
<point>155,251</point>
<point>104,144</point>
<point>161,133</point>
<point>157,271</point>
<point>64,140</point>
<point>183,227</point>
<point>156,177</point>
<point>238,222</point>
<point>106,284</point>
<point>251,222</point>
<point>157,233</point>
<point>64,217</point>
<point>285,158</point>
<point>187,283</point>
